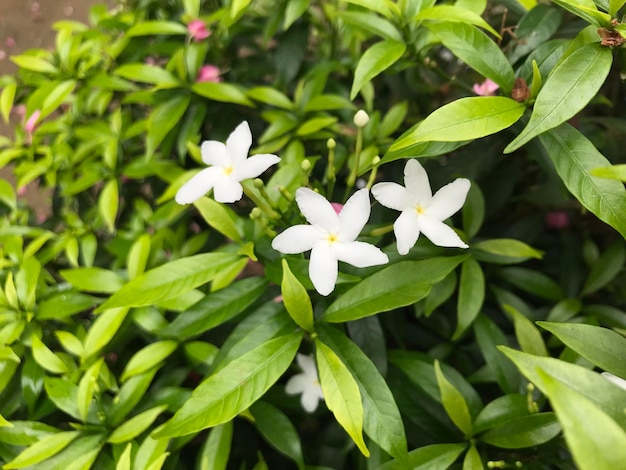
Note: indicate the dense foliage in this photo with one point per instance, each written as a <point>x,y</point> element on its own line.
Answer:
<point>138,331</point>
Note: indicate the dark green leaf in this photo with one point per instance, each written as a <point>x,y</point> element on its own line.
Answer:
<point>527,431</point>
<point>471,295</point>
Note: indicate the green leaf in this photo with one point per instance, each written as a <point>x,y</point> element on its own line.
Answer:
<point>573,157</point>
<point>374,61</point>
<point>170,280</point>
<point>533,282</point>
<point>527,431</point>
<point>454,14</point>
<point>130,393</point>
<point>435,456</point>
<point>224,92</point>
<point>93,279</point>
<point>43,449</point>
<point>294,10</point>
<point>163,119</point>
<point>504,251</point>
<point>605,268</point>
<point>148,74</point>
<point>216,450</point>
<point>103,330</point>
<point>46,358</point>
<point>473,211</point>
<point>219,216</point>
<point>150,28</point>
<point>63,394</point>
<point>56,97</point>
<point>231,390</point>
<point>454,403</point>
<point>587,10</point>
<point>313,125</point>
<point>135,425</point>
<point>276,428</point>
<point>296,299</point>
<point>271,96</point>
<point>108,203</point>
<point>608,397</point>
<point>372,24</point>
<point>490,338</point>
<point>598,447</point>
<point>78,455</point>
<point>601,346</point>
<point>471,296</point>
<point>138,256</point>
<point>616,172</point>
<point>6,100</point>
<point>569,88</point>
<point>36,64</point>
<point>477,50</point>
<point>215,309</point>
<point>472,460</point>
<point>341,394</point>
<point>148,357</point>
<point>87,387</point>
<point>400,284</point>
<point>382,420</point>
<point>615,6</point>
<point>465,119</point>
<point>500,411</point>
<point>527,334</point>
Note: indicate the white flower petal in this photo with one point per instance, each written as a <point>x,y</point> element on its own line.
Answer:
<point>323,268</point>
<point>391,195</point>
<point>238,143</point>
<point>215,153</point>
<point>307,364</point>
<point>360,254</point>
<point>309,400</point>
<point>254,166</point>
<point>406,230</point>
<point>198,185</point>
<point>354,215</point>
<point>449,199</point>
<point>297,384</point>
<point>316,209</point>
<point>439,233</point>
<point>296,239</point>
<point>416,182</point>
<point>227,190</point>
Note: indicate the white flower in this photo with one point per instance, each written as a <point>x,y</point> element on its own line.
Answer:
<point>615,379</point>
<point>229,164</point>
<point>361,118</point>
<point>421,211</point>
<point>306,383</point>
<point>330,237</point>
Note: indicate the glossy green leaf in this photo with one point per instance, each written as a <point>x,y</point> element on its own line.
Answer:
<point>615,6</point>
<point>147,74</point>
<point>224,92</point>
<point>527,334</point>
<point>63,394</point>
<point>164,117</point>
<point>472,460</point>
<point>473,211</point>
<point>455,14</point>
<point>102,331</point>
<point>608,397</point>
<point>435,456</point>
<point>36,64</point>
<point>601,346</point>
<point>220,217</point>
<point>130,393</point>
<point>295,9</point>
<point>500,411</point>
<point>440,293</point>
<point>527,431</point>
<point>87,388</point>
<point>216,450</point>
<point>4,423</point>
<point>453,402</point>
<point>384,8</point>
<point>533,282</point>
<point>25,433</point>
<point>422,149</point>
<point>471,295</point>
<point>296,299</point>
<point>6,100</point>
<point>313,125</point>
<point>138,256</point>
<point>571,85</point>
<point>108,203</point>
<point>43,449</point>
<point>477,50</point>
<point>148,357</point>
<point>135,425</point>
<point>374,61</point>
<point>398,285</point>
<point>382,420</point>
<point>341,394</point>
<point>504,251</point>
<point>169,280</point>
<point>465,119</point>
<point>151,454</point>
<point>271,96</point>
<point>69,342</point>
<point>276,428</point>
<point>124,460</point>
<point>372,24</point>
<point>534,29</point>
<point>80,454</point>
<point>598,447</point>
<point>46,358</point>
<point>56,97</point>
<point>616,172</point>
<point>573,157</point>
<point>231,390</point>
<point>216,308</point>
<point>587,10</point>
<point>150,28</point>
<point>93,279</point>
<point>605,268</point>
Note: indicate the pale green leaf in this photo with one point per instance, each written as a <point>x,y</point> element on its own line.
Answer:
<point>296,299</point>
<point>374,61</point>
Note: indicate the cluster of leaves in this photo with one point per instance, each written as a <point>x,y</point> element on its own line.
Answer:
<point>136,333</point>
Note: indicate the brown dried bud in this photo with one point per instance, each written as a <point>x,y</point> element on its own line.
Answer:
<point>520,92</point>
<point>610,38</point>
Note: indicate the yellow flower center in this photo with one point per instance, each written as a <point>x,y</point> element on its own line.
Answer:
<point>421,210</point>
<point>228,170</point>
<point>332,238</point>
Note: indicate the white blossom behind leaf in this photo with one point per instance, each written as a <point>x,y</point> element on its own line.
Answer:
<point>307,383</point>
<point>422,212</point>
<point>228,165</point>
<point>331,237</point>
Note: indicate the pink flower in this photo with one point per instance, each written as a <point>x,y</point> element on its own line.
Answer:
<point>209,73</point>
<point>31,125</point>
<point>198,30</point>
<point>557,220</point>
<point>486,88</point>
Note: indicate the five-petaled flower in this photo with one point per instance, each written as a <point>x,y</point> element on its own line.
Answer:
<point>306,383</point>
<point>421,211</point>
<point>330,237</point>
<point>486,88</point>
<point>229,164</point>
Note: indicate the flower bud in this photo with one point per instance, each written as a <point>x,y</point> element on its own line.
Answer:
<point>331,144</point>
<point>306,165</point>
<point>361,118</point>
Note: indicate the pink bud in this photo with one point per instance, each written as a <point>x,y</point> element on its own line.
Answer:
<point>31,123</point>
<point>10,42</point>
<point>557,220</point>
<point>21,191</point>
<point>486,88</point>
<point>337,207</point>
<point>198,30</point>
<point>209,73</point>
